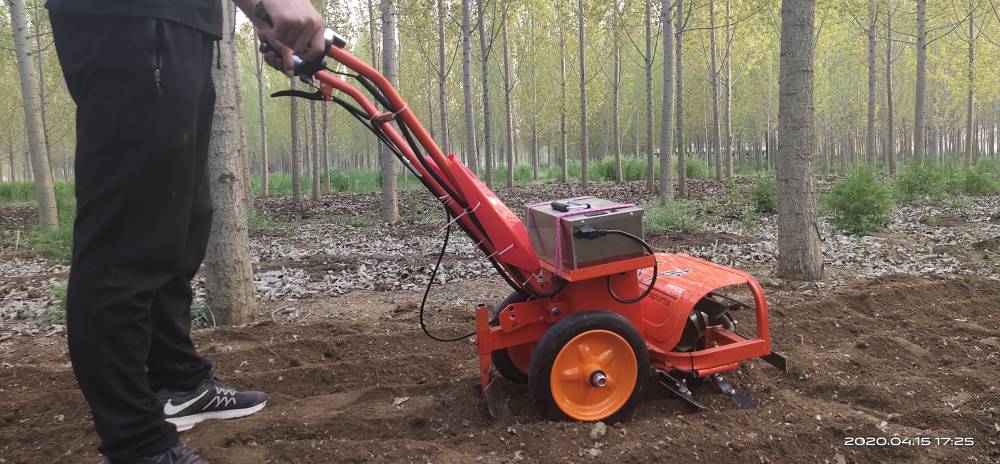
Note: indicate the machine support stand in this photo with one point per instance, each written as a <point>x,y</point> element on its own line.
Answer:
<point>495,398</point>
<point>776,360</point>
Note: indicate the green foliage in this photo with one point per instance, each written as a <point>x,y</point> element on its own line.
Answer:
<point>24,192</point>
<point>669,216</point>
<point>201,312</point>
<point>933,182</point>
<point>920,182</point>
<point>55,314</point>
<point>765,195</point>
<point>16,192</point>
<point>257,220</point>
<point>978,181</point>
<point>749,221</point>
<point>859,204</point>
<point>367,180</point>
<point>732,195</point>
<point>696,168</point>
<point>58,244</point>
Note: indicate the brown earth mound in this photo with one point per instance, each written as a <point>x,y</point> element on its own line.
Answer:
<point>907,356</point>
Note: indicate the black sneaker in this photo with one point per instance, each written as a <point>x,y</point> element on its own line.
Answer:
<point>178,454</point>
<point>211,400</point>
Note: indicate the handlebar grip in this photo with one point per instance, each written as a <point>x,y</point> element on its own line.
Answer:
<point>301,66</point>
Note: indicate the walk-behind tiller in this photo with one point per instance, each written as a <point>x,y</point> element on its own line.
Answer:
<point>594,308</point>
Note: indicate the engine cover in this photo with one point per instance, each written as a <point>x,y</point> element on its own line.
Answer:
<point>551,227</point>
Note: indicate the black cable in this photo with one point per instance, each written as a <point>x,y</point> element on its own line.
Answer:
<point>652,282</point>
<point>427,291</point>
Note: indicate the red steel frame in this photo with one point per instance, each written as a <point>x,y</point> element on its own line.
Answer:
<point>660,317</point>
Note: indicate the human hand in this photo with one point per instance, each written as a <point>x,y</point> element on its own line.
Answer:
<point>290,27</point>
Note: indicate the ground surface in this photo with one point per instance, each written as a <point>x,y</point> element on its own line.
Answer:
<point>902,340</point>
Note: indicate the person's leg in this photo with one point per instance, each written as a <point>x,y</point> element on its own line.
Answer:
<point>136,153</point>
<point>173,362</point>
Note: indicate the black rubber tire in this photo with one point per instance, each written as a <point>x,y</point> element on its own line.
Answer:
<point>501,358</point>
<point>562,332</point>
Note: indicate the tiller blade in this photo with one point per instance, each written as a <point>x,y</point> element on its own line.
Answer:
<point>679,388</point>
<point>496,400</point>
<point>744,402</point>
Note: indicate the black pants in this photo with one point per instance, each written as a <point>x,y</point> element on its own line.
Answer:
<point>143,217</point>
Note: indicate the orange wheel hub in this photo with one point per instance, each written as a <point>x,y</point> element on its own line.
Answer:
<point>520,355</point>
<point>593,375</point>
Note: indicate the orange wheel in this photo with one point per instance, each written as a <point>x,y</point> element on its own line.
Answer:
<point>593,375</point>
<point>589,366</point>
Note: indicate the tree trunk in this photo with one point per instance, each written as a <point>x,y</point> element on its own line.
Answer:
<point>872,78</point>
<point>584,136</point>
<point>327,187</point>
<point>387,161</point>
<point>919,130</point>
<point>970,128</point>
<point>681,145</point>
<point>563,143</point>
<point>48,217</point>
<point>472,158</point>
<point>442,80</point>
<point>372,35</point>
<point>40,62</point>
<point>296,147</point>
<point>890,129</point>
<point>648,65</point>
<point>800,254</point>
<point>265,172</point>
<point>727,101</point>
<point>667,124</point>
<point>508,117</point>
<point>484,49</point>
<point>228,272</point>
<point>534,102</point>
<point>616,83</point>
<point>714,74</point>
<point>314,150</point>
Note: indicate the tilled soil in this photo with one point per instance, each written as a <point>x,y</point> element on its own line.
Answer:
<point>897,356</point>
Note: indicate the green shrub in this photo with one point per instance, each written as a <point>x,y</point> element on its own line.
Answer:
<point>921,182</point>
<point>696,168</point>
<point>672,215</point>
<point>633,169</point>
<point>765,195</point>
<point>978,181</point>
<point>859,204</point>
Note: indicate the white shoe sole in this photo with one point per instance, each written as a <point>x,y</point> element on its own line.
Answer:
<point>185,423</point>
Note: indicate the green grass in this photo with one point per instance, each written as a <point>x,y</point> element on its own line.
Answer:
<point>670,216</point>
<point>58,244</point>
<point>55,314</point>
<point>16,192</point>
<point>257,220</point>
<point>280,183</point>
